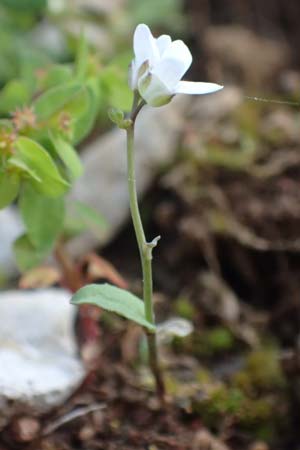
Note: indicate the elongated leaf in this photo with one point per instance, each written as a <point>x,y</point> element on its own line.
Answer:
<point>23,168</point>
<point>34,156</point>
<point>85,122</point>
<point>9,188</point>
<point>43,217</point>
<point>90,217</point>
<point>14,94</point>
<point>113,299</point>
<point>81,62</point>
<point>68,155</point>
<point>27,256</point>
<point>25,5</point>
<point>78,104</point>
<point>56,75</point>
<point>54,100</point>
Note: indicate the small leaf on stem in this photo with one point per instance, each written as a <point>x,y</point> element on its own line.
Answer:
<point>113,299</point>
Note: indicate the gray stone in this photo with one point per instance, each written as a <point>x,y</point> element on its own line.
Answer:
<point>11,227</point>
<point>39,364</point>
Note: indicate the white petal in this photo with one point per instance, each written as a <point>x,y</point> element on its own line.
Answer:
<point>153,91</point>
<point>175,61</point>
<point>132,75</point>
<point>144,45</point>
<point>163,43</point>
<point>197,88</point>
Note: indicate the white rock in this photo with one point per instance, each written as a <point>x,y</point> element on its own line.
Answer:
<point>175,326</point>
<point>11,227</point>
<point>39,364</point>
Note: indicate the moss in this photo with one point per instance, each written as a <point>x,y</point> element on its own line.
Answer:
<point>247,118</point>
<point>219,339</point>
<point>262,372</point>
<point>219,402</point>
<point>184,308</point>
<point>212,342</point>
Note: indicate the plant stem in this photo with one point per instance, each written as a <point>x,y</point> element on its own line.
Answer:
<point>145,250</point>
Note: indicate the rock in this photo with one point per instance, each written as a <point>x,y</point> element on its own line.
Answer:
<point>204,440</point>
<point>25,429</point>
<point>11,227</point>
<point>106,7</point>
<point>239,54</point>
<point>38,353</point>
<point>173,327</point>
<point>104,183</point>
<point>211,108</point>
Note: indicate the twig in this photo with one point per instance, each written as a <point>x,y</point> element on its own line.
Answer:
<point>70,416</point>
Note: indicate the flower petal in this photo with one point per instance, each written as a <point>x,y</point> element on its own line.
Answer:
<point>175,61</point>
<point>144,45</point>
<point>153,91</point>
<point>163,43</point>
<point>197,88</point>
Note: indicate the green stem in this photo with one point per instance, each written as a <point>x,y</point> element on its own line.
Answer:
<point>145,250</point>
<point>138,227</point>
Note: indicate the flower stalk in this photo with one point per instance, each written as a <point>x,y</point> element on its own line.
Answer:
<point>145,250</point>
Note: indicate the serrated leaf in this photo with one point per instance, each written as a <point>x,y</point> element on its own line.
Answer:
<point>55,99</point>
<point>43,217</point>
<point>113,299</point>
<point>68,155</point>
<point>9,188</point>
<point>36,158</point>
<point>27,256</point>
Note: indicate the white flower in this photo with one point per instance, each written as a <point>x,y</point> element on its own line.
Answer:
<point>158,66</point>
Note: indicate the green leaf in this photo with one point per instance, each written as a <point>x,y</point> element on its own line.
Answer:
<point>113,299</point>
<point>116,115</point>
<point>25,5</point>
<point>68,155</point>
<point>113,82</point>
<point>43,217</point>
<point>27,256</point>
<point>89,216</point>
<point>81,62</point>
<point>56,75</point>
<point>78,104</point>
<point>16,163</point>
<point>15,93</point>
<point>84,123</point>
<point>55,99</point>
<point>36,158</point>
<point>9,188</point>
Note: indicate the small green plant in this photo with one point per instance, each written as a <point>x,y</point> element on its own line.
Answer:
<point>38,158</point>
<point>155,77</point>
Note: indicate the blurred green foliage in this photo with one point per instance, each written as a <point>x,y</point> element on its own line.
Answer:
<point>157,13</point>
<point>45,116</point>
<point>50,101</point>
